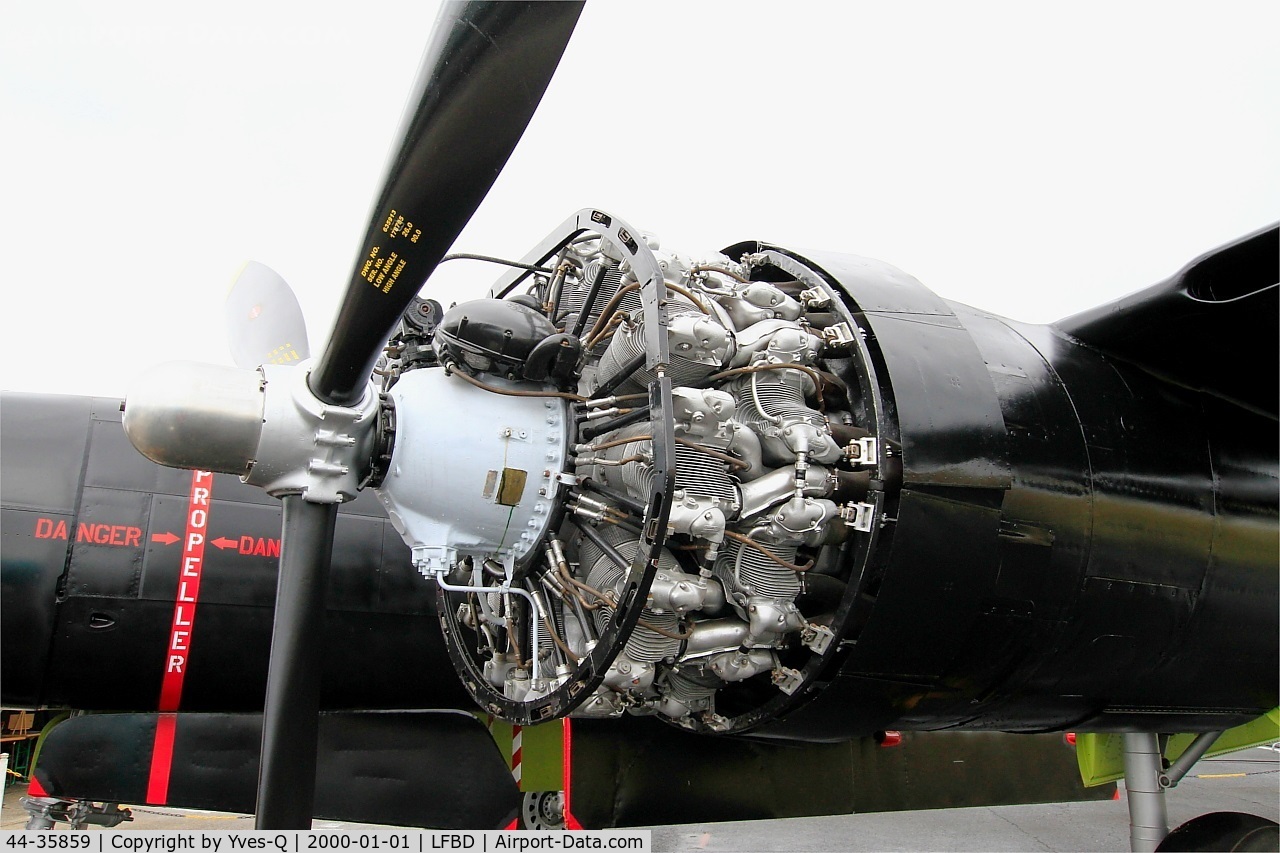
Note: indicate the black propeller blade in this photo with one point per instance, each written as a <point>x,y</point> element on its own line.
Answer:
<point>481,79</point>
<point>483,74</point>
<point>291,717</point>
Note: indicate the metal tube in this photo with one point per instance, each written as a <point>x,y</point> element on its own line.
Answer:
<point>715,634</point>
<point>489,259</point>
<point>588,627</point>
<point>559,562</point>
<point>589,303</point>
<point>439,575</point>
<point>590,431</point>
<point>631,366</point>
<point>557,284</point>
<point>630,503</point>
<point>1194,753</point>
<point>1148,813</point>
<point>609,551</point>
<point>539,615</point>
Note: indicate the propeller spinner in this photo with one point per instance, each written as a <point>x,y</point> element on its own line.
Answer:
<point>305,432</point>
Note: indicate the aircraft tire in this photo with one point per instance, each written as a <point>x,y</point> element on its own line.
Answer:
<point>1230,831</point>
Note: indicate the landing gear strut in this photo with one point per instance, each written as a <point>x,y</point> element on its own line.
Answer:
<point>1146,779</point>
<point>1143,772</point>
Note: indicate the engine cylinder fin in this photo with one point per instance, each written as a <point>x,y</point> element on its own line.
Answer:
<point>603,574</point>
<point>690,690</point>
<point>699,473</point>
<point>574,296</point>
<point>628,341</point>
<point>747,570</point>
<point>779,395</point>
<point>650,646</point>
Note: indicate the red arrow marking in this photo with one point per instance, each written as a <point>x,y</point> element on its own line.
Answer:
<point>164,538</point>
<point>224,543</point>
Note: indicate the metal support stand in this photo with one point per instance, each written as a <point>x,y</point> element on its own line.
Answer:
<point>40,812</point>
<point>1143,769</point>
<point>45,812</point>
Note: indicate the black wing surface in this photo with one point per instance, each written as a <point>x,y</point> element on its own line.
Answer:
<point>1213,326</point>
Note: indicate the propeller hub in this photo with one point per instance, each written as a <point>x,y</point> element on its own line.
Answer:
<point>264,425</point>
<point>319,450</point>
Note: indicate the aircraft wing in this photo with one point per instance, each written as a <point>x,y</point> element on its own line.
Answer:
<point>1211,326</point>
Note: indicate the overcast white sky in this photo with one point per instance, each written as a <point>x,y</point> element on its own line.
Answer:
<point>1028,158</point>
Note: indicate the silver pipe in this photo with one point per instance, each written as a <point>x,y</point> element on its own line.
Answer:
<point>755,397</point>
<point>557,284</point>
<point>587,626</point>
<point>1194,753</point>
<point>584,622</point>
<point>543,616</point>
<point>439,575</point>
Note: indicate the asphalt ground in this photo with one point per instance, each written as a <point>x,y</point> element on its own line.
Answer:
<point>1247,781</point>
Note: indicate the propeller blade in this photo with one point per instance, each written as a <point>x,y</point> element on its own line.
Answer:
<point>291,717</point>
<point>264,322</point>
<point>484,71</point>
<point>482,76</point>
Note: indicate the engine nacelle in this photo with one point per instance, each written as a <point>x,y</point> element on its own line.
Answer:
<point>804,495</point>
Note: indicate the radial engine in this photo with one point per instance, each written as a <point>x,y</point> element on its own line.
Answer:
<point>639,479</point>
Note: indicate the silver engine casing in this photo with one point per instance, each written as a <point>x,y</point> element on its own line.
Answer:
<point>494,459</point>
